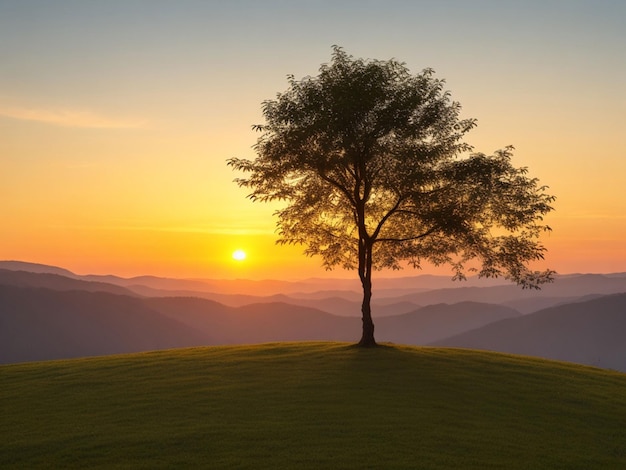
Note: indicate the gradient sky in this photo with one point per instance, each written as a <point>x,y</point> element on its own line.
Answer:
<point>117,117</point>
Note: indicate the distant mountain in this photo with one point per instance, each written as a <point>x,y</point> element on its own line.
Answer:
<point>563,289</point>
<point>41,324</point>
<point>439,321</point>
<point>403,291</point>
<point>333,305</point>
<point>35,268</point>
<point>534,304</point>
<point>224,286</point>
<point>256,323</point>
<point>155,282</point>
<point>348,287</point>
<point>590,332</point>
<point>53,313</point>
<point>57,282</point>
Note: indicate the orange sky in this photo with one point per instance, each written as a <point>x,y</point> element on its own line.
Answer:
<point>116,121</point>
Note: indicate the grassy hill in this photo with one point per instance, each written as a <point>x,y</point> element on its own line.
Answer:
<point>311,405</point>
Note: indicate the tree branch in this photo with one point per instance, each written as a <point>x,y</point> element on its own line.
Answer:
<point>386,217</point>
<point>416,237</point>
<point>337,185</point>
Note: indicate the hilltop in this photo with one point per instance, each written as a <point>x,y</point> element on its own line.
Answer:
<point>312,405</point>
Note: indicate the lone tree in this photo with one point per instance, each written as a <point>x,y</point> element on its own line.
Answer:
<point>374,172</point>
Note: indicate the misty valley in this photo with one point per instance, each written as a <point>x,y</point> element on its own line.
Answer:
<point>50,313</point>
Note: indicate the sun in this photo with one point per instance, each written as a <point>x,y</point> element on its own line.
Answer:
<point>239,255</point>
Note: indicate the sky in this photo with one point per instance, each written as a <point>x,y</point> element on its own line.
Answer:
<point>117,118</point>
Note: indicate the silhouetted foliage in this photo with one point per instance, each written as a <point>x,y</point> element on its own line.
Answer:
<point>371,162</point>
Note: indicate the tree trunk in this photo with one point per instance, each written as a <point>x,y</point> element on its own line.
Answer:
<point>365,273</point>
<point>367,338</point>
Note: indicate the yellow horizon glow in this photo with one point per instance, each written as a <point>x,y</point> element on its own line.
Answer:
<point>198,254</point>
<point>153,218</point>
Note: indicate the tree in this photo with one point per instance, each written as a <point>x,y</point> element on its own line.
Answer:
<point>374,173</point>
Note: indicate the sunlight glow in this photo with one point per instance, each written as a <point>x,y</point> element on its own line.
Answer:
<point>239,255</point>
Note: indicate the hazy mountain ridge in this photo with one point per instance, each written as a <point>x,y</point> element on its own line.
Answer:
<point>35,268</point>
<point>41,324</point>
<point>418,290</point>
<point>57,282</point>
<point>564,289</point>
<point>589,332</point>
<point>41,311</point>
<point>392,287</point>
<point>436,321</point>
<point>335,305</point>
<point>255,323</point>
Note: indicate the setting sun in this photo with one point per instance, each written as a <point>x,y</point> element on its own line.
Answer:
<point>239,255</point>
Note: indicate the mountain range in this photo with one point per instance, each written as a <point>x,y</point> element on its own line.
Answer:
<point>589,332</point>
<point>50,313</point>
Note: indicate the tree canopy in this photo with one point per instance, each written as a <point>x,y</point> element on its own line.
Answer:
<point>371,162</point>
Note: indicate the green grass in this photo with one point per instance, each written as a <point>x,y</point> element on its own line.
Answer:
<point>312,405</point>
